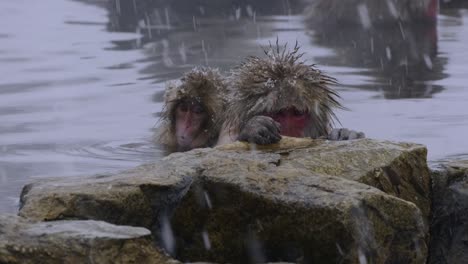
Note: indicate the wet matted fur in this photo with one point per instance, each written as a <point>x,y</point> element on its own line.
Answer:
<point>202,84</point>
<point>281,80</point>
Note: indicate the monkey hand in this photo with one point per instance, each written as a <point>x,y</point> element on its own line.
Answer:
<point>260,130</point>
<point>345,134</point>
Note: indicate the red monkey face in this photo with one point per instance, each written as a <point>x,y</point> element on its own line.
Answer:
<point>293,122</point>
<point>191,119</point>
<point>432,10</point>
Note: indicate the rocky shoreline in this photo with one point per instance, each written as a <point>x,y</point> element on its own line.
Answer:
<point>300,201</point>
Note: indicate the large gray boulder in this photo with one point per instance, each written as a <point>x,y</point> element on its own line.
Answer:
<point>300,200</point>
<point>128,198</point>
<point>263,213</point>
<point>22,241</point>
<point>398,169</point>
<point>449,227</point>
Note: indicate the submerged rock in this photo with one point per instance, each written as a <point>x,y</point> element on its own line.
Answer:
<point>300,200</point>
<point>22,241</point>
<point>449,227</point>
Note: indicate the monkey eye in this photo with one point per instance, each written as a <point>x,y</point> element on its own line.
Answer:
<point>298,112</point>
<point>281,112</point>
<point>198,109</point>
<point>183,107</point>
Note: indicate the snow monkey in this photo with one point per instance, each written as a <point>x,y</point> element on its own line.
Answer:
<point>281,95</point>
<point>191,111</point>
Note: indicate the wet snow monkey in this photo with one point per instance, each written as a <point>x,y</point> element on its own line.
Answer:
<point>280,95</point>
<point>191,110</point>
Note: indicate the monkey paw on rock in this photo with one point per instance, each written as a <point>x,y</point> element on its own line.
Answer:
<point>260,130</point>
<point>345,134</point>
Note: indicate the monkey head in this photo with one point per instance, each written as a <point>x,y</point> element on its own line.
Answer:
<point>191,111</point>
<point>281,86</point>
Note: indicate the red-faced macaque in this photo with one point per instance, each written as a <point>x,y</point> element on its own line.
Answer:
<point>191,111</point>
<point>280,95</point>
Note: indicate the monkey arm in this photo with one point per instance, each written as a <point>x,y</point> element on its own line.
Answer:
<point>344,134</point>
<point>227,135</point>
<point>260,130</point>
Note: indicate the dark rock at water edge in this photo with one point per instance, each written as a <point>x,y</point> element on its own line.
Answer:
<point>449,227</point>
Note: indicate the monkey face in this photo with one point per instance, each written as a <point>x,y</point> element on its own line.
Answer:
<point>293,122</point>
<point>190,124</point>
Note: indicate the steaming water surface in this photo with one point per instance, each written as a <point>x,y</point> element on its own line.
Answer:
<point>81,81</point>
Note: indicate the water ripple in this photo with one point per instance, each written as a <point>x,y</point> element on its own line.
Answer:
<point>134,152</point>
<point>128,153</point>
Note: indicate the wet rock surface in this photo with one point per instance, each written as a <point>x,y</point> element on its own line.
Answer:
<point>128,198</point>
<point>398,169</point>
<point>22,241</point>
<point>295,216</point>
<point>449,227</point>
<point>299,201</point>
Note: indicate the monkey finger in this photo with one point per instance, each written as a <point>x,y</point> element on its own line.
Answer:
<point>272,137</point>
<point>352,135</point>
<point>263,120</point>
<point>260,130</point>
<point>272,126</point>
<point>355,135</point>
<point>269,137</point>
<point>274,132</point>
<point>344,134</point>
<point>275,138</point>
<point>278,127</point>
<point>260,140</point>
<point>253,135</point>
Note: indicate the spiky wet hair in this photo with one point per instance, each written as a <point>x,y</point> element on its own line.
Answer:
<point>202,84</point>
<point>281,80</point>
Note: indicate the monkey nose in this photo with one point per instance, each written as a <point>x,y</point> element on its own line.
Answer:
<point>188,120</point>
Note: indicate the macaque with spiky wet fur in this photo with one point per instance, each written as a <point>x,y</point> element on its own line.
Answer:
<point>191,111</point>
<point>281,96</point>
